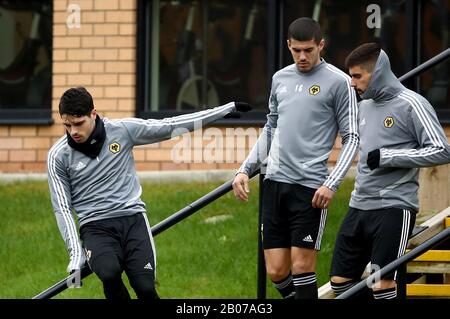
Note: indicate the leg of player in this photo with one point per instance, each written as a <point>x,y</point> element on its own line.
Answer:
<point>278,265</point>
<point>304,273</point>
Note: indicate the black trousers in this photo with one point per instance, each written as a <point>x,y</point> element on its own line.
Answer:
<point>121,244</point>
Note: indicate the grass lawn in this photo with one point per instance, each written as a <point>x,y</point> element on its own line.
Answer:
<point>195,259</point>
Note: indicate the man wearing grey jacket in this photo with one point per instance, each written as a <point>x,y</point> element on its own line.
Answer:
<point>399,133</point>
<point>91,172</point>
<point>310,102</point>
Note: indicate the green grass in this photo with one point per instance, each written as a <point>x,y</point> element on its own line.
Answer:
<point>195,259</point>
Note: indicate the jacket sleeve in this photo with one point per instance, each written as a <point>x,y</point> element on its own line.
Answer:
<point>433,147</point>
<point>153,131</point>
<point>346,112</point>
<point>59,187</point>
<point>261,149</point>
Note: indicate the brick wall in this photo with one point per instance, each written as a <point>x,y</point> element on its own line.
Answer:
<point>101,56</point>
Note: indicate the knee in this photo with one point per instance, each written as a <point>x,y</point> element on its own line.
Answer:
<point>109,273</point>
<point>384,284</point>
<point>339,285</point>
<point>303,265</point>
<point>339,280</point>
<point>277,272</point>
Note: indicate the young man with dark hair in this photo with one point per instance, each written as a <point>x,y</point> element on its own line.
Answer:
<point>310,101</point>
<point>91,171</point>
<point>399,133</point>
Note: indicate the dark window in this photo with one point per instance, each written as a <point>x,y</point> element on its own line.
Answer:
<point>201,54</point>
<point>344,25</point>
<point>196,53</point>
<point>25,62</point>
<point>434,84</point>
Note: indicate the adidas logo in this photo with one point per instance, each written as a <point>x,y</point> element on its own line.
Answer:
<point>148,266</point>
<point>308,239</point>
<point>80,166</point>
<point>363,122</point>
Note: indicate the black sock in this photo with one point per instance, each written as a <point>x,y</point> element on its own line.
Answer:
<point>389,293</point>
<point>341,287</point>
<point>285,287</point>
<point>305,285</point>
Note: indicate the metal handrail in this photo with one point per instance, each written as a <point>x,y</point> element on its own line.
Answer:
<point>157,229</point>
<point>389,268</point>
<point>426,65</point>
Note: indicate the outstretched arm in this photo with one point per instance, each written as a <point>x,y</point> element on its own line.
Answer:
<point>153,131</point>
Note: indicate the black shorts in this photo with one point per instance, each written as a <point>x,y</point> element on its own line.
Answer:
<point>124,242</point>
<point>375,236</point>
<point>288,219</point>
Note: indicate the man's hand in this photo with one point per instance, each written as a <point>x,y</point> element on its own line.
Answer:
<point>373,159</point>
<point>242,106</point>
<point>322,197</point>
<point>74,280</point>
<point>240,186</point>
<point>74,269</point>
<point>74,266</point>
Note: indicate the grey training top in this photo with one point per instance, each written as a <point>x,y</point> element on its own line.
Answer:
<point>306,112</point>
<point>404,126</point>
<point>107,186</point>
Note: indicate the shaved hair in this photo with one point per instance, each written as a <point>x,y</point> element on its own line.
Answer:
<point>366,56</point>
<point>305,29</point>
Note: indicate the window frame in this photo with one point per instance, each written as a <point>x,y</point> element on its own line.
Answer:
<point>274,60</point>
<point>144,38</point>
<point>20,115</point>
<point>443,115</point>
<point>26,117</point>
